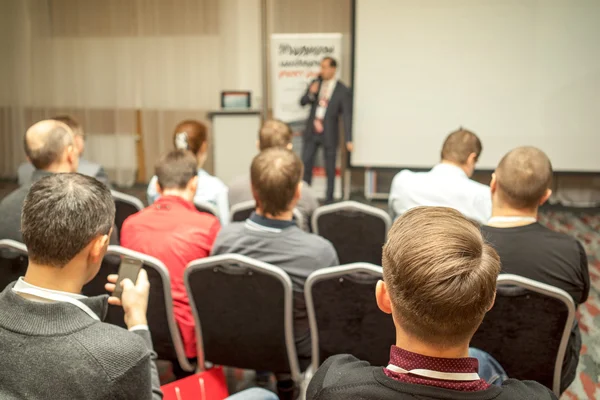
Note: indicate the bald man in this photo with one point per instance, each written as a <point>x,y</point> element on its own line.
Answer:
<point>50,146</point>
<point>85,167</point>
<point>520,184</point>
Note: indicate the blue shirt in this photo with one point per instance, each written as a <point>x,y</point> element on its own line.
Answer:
<point>210,190</point>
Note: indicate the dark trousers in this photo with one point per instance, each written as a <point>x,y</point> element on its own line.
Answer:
<point>309,151</point>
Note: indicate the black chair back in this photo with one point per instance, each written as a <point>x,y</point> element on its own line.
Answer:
<point>242,211</point>
<point>357,231</point>
<point>344,317</point>
<point>125,205</point>
<point>528,329</point>
<point>13,261</point>
<point>243,313</point>
<point>161,320</point>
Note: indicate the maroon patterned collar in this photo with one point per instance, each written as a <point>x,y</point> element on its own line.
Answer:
<point>408,360</point>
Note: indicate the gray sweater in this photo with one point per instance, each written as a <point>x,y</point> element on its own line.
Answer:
<point>56,351</point>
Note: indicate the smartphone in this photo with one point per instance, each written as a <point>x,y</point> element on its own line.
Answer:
<point>128,269</point>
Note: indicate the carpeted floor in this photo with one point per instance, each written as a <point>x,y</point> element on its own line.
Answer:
<point>586,228</point>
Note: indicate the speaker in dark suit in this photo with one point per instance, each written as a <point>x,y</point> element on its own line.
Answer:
<point>329,99</point>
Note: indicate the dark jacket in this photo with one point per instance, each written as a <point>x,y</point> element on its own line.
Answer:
<point>340,103</point>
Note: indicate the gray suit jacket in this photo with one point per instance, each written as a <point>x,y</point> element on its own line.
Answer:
<point>86,167</point>
<point>340,103</point>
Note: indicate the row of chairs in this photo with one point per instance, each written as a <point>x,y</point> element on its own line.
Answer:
<point>357,231</point>
<point>527,330</point>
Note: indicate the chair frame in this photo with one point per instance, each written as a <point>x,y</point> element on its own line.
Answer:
<point>13,245</point>
<point>162,270</point>
<point>204,206</point>
<point>254,265</point>
<point>328,273</point>
<point>554,292</point>
<point>134,201</point>
<point>244,205</point>
<point>351,206</point>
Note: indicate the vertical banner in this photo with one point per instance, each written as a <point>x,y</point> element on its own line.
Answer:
<point>295,62</point>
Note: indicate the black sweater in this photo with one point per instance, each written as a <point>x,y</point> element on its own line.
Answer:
<point>344,377</point>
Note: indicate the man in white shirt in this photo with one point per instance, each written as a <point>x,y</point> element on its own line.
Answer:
<point>448,184</point>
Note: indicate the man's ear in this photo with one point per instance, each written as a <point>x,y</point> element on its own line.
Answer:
<point>258,144</point>
<point>192,185</point>
<point>493,301</point>
<point>73,157</point>
<point>98,247</point>
<point>158,188</point>
<point>383,299</point>
<point>289,146</point>
<point>298,193</point>
<point>204,147</point>
<point>494,183</point>
<point>546,196</point>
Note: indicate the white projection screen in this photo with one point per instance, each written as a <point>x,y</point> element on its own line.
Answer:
<point>516,72</point>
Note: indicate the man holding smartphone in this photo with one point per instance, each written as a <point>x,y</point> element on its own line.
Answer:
<point>52,339</point>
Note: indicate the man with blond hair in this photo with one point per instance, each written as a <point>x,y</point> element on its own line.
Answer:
<point>273,133</point>
<point>521,184</point>
<point>439,281</point>
<point>448,184</point>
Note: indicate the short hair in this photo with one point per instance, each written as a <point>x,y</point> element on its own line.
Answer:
<point>274,133</point>
<point>190,135</point>
<point>523,176</point>
<point>440,275</point>
<point>459,145</point>
<point>71,123</point>
<point>332,61</point>
<point>46,141</point>
<point>175,169</point>
<point>275,174</point>
<point>61,215</point>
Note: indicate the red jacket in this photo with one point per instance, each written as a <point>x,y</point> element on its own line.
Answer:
<point>173,231</point>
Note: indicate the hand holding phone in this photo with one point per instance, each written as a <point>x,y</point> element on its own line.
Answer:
<point>133,297</point>
<point>128,269</point>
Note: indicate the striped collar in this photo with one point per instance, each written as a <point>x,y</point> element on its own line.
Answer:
<point>259,223</point>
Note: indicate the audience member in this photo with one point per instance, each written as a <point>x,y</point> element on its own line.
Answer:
<point>193,136</point>
<point>52,340</point>
<point>173,231</point>
<point>439,280</point>
<point>448,184</point>
<point>519,186</point>
<point>85,167</point>
<point>273,133</point>
<point>270,235</point>
<point>50,147</point>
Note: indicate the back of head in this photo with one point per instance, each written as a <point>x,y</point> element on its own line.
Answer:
<point>523,177</point>
<point>46,142</point>
<point>71,123</point>
<point>440,275</point>
<point>176,169</point>
<point>62,214</point>
<point>274,133</point>
<point>459,145</point>
<point>275,174</point>
<point>190,135</point>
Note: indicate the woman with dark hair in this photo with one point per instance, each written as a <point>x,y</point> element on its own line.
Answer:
<point>193,136</point>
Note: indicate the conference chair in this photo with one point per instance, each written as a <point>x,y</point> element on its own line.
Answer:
<point>357,231</point>
<point>125,205</point>
<point>242,211</point>
<point>13,261</point>
<point>166,338</point>
<point>344,317</point>
<point>206,207</point>
<point>527,330</point>
<point>243,314</point>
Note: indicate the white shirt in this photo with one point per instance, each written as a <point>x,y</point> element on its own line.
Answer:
<point>210,189</point>
<point>445,185</point>
<point>327,88</point>
<point>22,285</point>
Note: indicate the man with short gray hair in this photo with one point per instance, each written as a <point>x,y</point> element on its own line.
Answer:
<point>50,146</point>
<point>52,338</point>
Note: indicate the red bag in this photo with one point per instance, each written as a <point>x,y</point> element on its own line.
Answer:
<point>207,385</point>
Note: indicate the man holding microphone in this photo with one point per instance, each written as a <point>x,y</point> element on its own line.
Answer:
<point>328,99</point>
